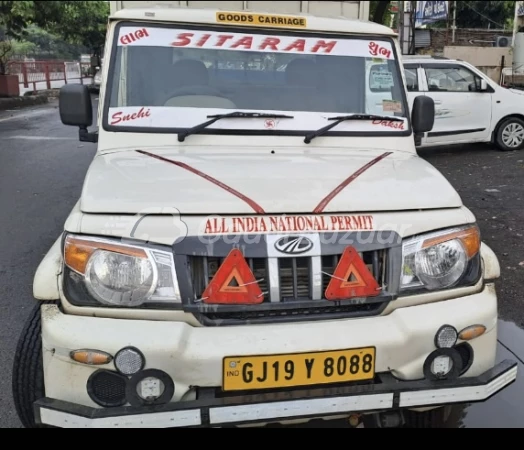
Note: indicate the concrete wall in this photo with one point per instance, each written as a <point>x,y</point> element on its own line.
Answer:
<point>487,59</point>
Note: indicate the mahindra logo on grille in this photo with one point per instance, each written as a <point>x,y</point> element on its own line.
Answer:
<point>294,245</point>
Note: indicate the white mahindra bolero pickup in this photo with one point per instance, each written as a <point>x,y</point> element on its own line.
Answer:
<point>254,244</point>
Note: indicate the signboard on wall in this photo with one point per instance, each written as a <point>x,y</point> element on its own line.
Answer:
<point>429,12</point>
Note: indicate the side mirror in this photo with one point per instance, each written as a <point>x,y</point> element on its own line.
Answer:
<point>483,86</point>
<point>76,109</point>
<point>423,116</point>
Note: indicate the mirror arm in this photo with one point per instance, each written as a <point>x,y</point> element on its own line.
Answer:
<point>86,136</point>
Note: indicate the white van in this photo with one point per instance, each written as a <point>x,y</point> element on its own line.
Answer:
<point>256,242</point>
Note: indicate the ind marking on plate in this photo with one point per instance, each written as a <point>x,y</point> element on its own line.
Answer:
<point>298,370</point>
<point>261,20</point>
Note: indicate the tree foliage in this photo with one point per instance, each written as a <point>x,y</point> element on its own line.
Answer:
<point>380,11</point>
<point>82,23</point>
<point>470,14</point>
<point>41,44</point>
<point>78,22</point>
<point>485,14</point>
<point>6,50</point>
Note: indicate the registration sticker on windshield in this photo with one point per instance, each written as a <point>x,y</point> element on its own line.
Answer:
<point>248,42</point>
<point>261,20</point>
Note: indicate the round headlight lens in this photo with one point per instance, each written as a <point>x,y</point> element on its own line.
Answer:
<point>120,280</point>
<point>441,266</point>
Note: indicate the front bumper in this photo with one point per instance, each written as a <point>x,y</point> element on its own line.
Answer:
<point>389,395</point>
<point>193,359</point>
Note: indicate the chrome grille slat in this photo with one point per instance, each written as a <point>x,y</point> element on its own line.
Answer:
<point>315,273</point>
<point>295,278</point>
<point>274,280</point>
<point>376,266</point>
<point>205,264</point>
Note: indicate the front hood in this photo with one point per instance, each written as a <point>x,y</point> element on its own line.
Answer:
<point>210,181</point>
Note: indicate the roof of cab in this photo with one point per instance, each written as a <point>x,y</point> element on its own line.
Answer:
<point>208,16</point>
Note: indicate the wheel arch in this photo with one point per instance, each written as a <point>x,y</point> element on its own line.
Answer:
<point>501,121</point>
<point>45,284</point>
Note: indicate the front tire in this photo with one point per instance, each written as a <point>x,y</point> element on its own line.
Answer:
<point>510,135</point>
<point>28,369</point>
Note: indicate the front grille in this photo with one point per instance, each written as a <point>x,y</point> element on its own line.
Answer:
<point>295,293</point>
<point>295,274</point>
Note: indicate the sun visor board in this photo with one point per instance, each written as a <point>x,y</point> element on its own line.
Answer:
<point>261,20</point>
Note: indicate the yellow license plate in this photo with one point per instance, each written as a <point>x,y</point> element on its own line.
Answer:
<point>252,373</point>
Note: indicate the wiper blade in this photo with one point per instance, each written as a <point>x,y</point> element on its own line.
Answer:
<point>340,119</point>
<point>234,115</point>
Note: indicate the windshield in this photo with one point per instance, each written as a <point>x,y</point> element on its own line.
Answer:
<point>173,78</point>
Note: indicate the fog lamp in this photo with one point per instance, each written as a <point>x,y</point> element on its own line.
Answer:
<point>446,337</point>
<point>129,361</point>
<point>443,364</point>
<point>150,387</point>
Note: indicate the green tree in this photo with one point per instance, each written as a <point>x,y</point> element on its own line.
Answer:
<point>82,23</point>
<point>78,22</point>
<point>485,14</point>
<point>40,43</point>
<point>380,11</point>
<point>6,50</point>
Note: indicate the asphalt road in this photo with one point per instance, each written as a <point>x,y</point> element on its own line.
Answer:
<point>42,166</point>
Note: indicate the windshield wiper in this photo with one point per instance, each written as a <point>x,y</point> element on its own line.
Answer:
<point>340,119</point>
<point>234,115</point>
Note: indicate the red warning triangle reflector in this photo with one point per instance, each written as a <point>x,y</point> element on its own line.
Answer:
<point>352,279</point>
<point>234,284</point>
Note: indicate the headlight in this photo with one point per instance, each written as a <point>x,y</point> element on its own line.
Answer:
<point>109,273</point>
<point>441,260</point>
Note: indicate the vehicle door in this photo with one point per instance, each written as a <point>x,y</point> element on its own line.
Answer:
<point>463,111</point>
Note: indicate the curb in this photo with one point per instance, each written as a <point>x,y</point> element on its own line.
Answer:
<point>22,102</point>
<point>51,93</point>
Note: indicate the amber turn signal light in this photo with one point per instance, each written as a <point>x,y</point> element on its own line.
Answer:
<point>91,357</point>
<point>472,333</point>
<point>78,251</point>
<point>470,238</point>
